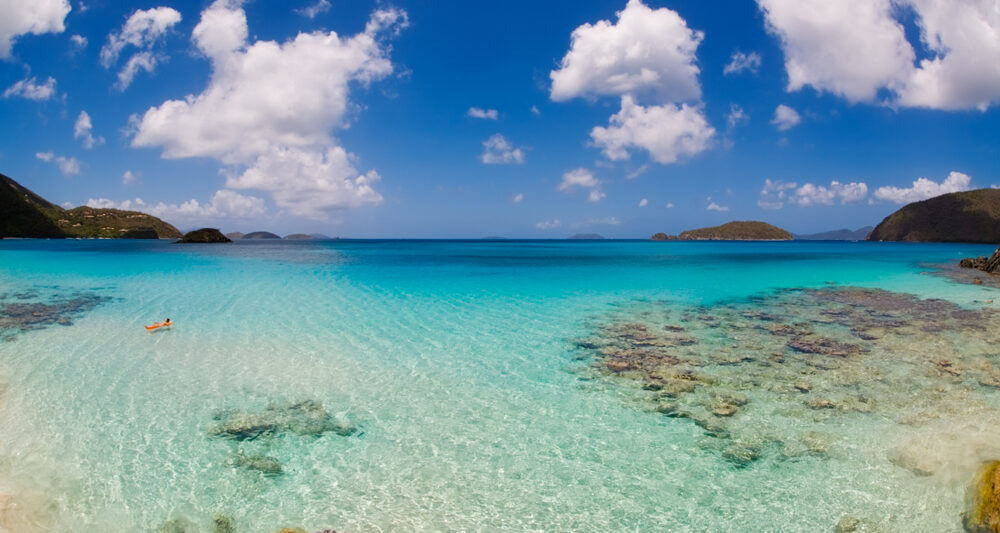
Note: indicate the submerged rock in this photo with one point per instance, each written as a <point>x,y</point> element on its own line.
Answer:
<point>982,500</point>
<point>223,524</point>
<point>824,346</point>
<point>178,525</point>
<point>302,418</point>
<point>269,466</point>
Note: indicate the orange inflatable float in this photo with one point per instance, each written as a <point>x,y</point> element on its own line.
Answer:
<point>165,324</point>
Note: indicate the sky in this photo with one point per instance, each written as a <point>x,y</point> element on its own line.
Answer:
<point>416,119</point>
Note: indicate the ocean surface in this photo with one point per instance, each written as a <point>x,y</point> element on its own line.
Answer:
<point>492,386</point>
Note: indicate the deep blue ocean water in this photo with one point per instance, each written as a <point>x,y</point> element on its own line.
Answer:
<point>455,360</point>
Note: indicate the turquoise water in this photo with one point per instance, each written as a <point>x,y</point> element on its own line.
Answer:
<point>455,360</point>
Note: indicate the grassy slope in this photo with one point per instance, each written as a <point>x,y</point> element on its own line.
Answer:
<point>971,216</point>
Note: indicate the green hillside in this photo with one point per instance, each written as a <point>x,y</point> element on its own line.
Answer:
<point>970,216</point>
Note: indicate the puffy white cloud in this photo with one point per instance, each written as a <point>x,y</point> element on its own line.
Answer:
<point>476,112</point>
<point>924,188</point>
<point>223,204</point>
<point>143,30</point>
<point>78,41</point>
<point>314,10</point>
<point>68,166</point>
<point>646,51</point>
<point>129,178</point>
<point>854,48</point>
<point>596,195</point>
<point>712,206</point>
<point>33,16</point>
<point>785,118</point>
<point>83,130</point>
<point>848,47</point>
<point>643,202</point>
<point>270,108</point>
<point>30,89</point>
<point>606,221</point>
<point>579,177</point>
<point>497,150</point>
<point>669,205</point>
<point>548,224</point>
<point>518,198</point>
<point>735,116</point>
<point>965,72</point>
<point>776,193</point>
<point>740,62</point>
<point>535,111</point>
<point>667,132</point>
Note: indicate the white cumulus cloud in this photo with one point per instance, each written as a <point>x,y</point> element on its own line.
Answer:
<point>68,166</point>
<point>129,178</point>
<point>855,48</point>
<point>313,10</point>
<point>32,16</point>
<point>78,41</point>
<point>143,30</point>
<point>924,188</point>
<point>270,107</point>
<point>667,132</point>
<point>548,224</point>
<point>477,112</point>
<point>712,206</point>
<point>646,51</point>
<point>740,62</point>
<point>776,193</point>
<point>648,55</point>
<point>518,198</point>
<point>84,131</point>
<point>785,118</point>
<point>497,150</point>
<point>643,202</point>
<point>224,204</point>
<point>30,89</point>
<point>580,177</point>
<point>735,116</point>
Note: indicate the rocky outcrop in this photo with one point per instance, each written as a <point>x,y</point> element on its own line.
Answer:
<point>663,237</point>
<point>738,231</point>
<point>982,500</point>
<point>204,236</point>
<point>989,264</point>
<point>261,235</point>
<point>970,216</point>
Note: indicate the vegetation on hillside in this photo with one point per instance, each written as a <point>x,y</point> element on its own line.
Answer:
<point>970,216</point>
<point>732,231</point>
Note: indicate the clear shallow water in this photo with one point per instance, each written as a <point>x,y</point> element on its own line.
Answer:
<point>457,363</point>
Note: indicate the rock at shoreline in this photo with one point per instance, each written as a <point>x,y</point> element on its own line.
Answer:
<point>982,500</point>
<point>307,418</point>
<point>989,264</point>
<point>970,216</point>
<point>204,236</point>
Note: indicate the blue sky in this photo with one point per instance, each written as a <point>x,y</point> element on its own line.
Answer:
<point>467,119</point>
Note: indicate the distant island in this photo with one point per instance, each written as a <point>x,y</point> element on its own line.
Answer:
<point>299,237</point>
<point>837,235</point>
<point>27,215</point>
<point>261,235</point>
<point>204,236</point>
<point>587,237</point>
<point>970,216</point>
<point>235,235</point>
<point>731,231</point>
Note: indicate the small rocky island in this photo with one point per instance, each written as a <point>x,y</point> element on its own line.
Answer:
<point>970,216</point>
<point>261,235</point>
<point>204,236</point>
<point>731,231</point>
